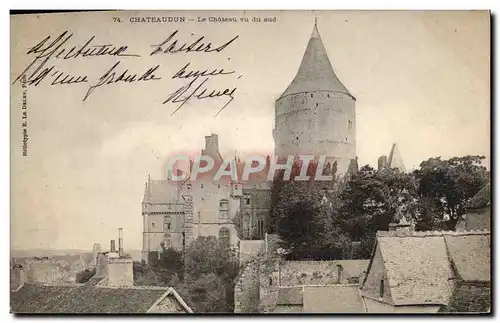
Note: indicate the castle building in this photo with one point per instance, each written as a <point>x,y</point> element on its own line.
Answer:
<point>176,214</point>
<point>316,113</point>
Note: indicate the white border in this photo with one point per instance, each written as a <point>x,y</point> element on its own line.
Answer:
<point>185,4</point>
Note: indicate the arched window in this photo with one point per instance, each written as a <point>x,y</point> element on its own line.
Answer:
<point>224,208</point>
<point>246,226</point>
<point>224,237</point>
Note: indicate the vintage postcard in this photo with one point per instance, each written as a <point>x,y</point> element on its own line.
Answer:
<point>250,162</point>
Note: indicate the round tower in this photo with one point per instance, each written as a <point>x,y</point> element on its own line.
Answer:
<point>316,113</point>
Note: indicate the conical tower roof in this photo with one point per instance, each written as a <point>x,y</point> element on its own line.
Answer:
<point>315,72</point>
<point>395,160</point>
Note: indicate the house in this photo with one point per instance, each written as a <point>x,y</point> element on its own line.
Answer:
<point>428,272</point>
<point>110,291</point>
<point>270,284</point>
<point>90,298</point>
<point>478,216</point>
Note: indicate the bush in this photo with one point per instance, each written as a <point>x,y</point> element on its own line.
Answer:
<point>85,275</point>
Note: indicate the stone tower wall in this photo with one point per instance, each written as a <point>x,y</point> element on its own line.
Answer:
<point>319,123</point>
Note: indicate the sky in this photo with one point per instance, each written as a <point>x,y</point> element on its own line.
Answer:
<point>421,80</point>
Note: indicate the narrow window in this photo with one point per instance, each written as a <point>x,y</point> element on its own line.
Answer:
<point>218,186</point>
<point>328,95</point>
<point>224,237</point>
<point>311,95</point>
<point>382,288</point>
<point>201,185</point>
<point>316,104</point>
<point>270,281</point>
<point>153,225</point>
<point>224,208</point>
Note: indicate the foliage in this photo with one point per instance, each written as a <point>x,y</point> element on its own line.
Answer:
<point>85,275</point>
<point>206,255</point>
<point>373,199</point>
<point>211,271</point>
<point>305,224</point>
<point>446,186</point>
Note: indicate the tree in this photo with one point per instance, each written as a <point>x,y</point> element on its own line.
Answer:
<point>446,186</point>
<point>371,200</point>
<point>210,272</point>
<point>303,215</point>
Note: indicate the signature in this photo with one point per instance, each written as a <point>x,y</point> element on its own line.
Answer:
<point>197,88</point>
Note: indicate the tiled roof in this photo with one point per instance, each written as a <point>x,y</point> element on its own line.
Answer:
<point>332,299</point>
<point>354,267</point>
<point>290,296</point>
<point>470,298</point>
<point>33,298</point>
<point>470,255</point>
<point>419,264</point>
<point>315,72</point>
<point>481,199</point>
<point>418,269</point>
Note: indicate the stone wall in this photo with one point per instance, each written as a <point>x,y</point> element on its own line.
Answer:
<point>249,249</point>
<point>246,290</point>
<point>120,272</point>
<point>293,273</point>
<point>44,272</point>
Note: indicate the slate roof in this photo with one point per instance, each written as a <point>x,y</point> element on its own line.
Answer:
<point>332,299</point>
<point>470,255</point>
<point>419,265</point>
<point>481,199</point>
<point>34,298</point>
<point>395,160</point>
<point>315,72</point>
<point>161,191</point>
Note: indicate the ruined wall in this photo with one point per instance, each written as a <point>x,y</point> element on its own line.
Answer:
<point>293,273</point>
<point>269,277</point>
<point>318,123</point>
<point>246,290</point>
<point>44,272</point>
<point>249,249</point>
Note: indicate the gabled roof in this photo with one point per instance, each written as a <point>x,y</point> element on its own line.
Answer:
<point>315,72</point>
<point>420,265</point>
<point>470,255</point>
<point>481,199</point>
<point>34,298</point>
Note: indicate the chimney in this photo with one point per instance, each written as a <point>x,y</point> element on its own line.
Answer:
<point>95,253</point>
<point>120,242</point>
<point>340,270</point>
<point>113,248</point>
<point>211,146</point>
<point>17,277</point>
<point>382,162</point>
<point>402,226</point>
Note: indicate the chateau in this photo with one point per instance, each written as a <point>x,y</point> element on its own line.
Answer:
<point>315,115</point>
